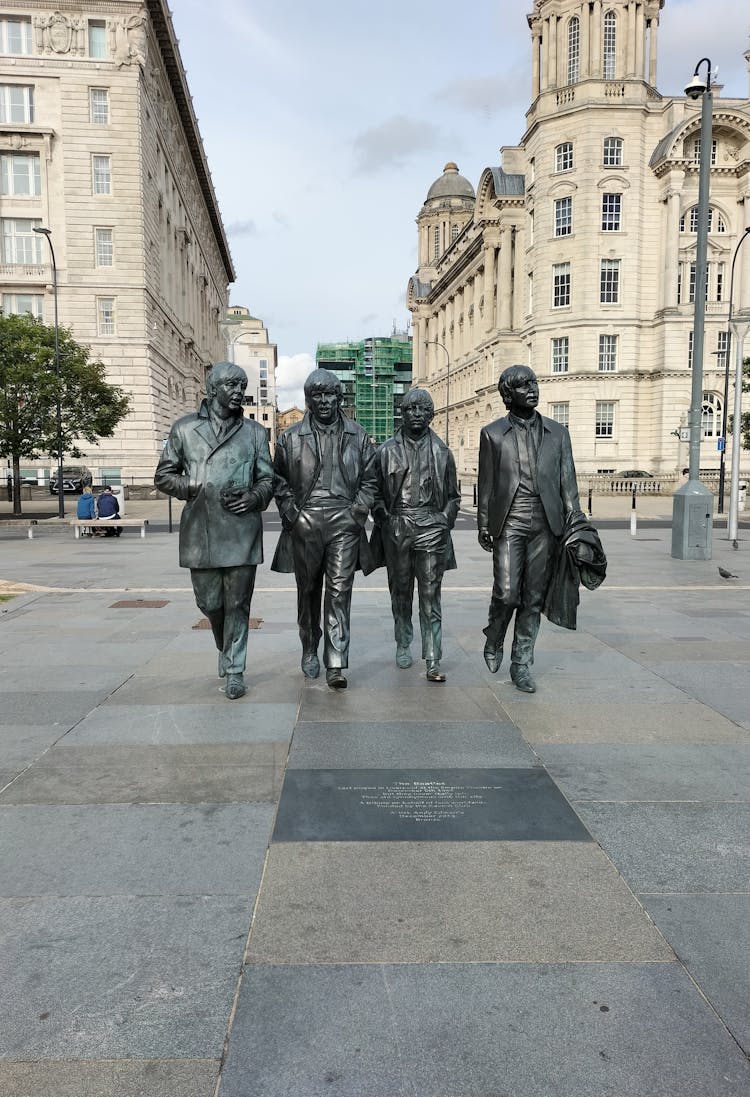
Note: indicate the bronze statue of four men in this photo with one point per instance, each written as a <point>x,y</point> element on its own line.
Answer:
<point>327,477</point>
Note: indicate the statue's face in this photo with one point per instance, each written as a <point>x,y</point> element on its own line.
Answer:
<point>324,404</point>
<point>524,394</point>
<point>229,392</point>
<point>416,418</point>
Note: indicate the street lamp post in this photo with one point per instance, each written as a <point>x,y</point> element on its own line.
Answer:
<point>435,343</point>
<point>58,404</point>
<point>740,327</point>
<point>692,502</point>
<point>724,417</point>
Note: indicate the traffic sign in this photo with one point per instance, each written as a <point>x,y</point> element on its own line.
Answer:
<point>720,443</point>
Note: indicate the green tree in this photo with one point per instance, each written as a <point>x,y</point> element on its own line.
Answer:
<point>29,389</point>
<point>745,417</point>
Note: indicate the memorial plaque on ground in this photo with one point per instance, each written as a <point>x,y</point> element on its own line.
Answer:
<point>432,805</point>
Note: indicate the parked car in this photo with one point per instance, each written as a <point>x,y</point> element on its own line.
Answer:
<point>634,474</point>
<point>75,479</point>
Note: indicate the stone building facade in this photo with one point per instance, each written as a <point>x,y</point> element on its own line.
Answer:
<point>249,346</point>
<point>577,254</point>
<point>99,143</point>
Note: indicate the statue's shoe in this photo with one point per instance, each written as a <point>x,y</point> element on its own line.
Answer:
<point>335,678</point>
<point>235,686</point>
<point>521,678</point>
<point>310,664</point>
<point>493,657</point>
<point>222,665</point>
<point>434,673</point>
<point>403,657</point>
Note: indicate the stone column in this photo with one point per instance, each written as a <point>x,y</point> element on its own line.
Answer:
<point>489,286</point>
<point>640,41</point>
<point>504,280</point>
<point>652,42</point>
<point>536,46</point>
<point>552,66</point>
<point>596,40</point>
<point>671,247</point>
<point>630,39</point>
<point>585,49</point>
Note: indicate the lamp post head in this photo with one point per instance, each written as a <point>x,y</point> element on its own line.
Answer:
<point>698,86</point>
<point>45,232</point>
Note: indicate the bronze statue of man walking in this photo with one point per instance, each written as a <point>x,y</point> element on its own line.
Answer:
<point>219,463</point>
<point>527,493</point>
<point>416,507</point>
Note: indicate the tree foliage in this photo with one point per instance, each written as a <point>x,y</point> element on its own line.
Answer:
<point>29,390</point>
<point>745,417</point>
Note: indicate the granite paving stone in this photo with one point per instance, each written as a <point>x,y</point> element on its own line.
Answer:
<point>357,704</point>
<point>20,745</point>
<point>447,902</point>
<point>117,977</point>
<point>113,774</point>
<point>470,744</point>
<point>647,772</point>
<point>605,722</point>
<point>564,689</point>
<point>722,686</point>
<point>38,707</point>
<point>674,847</point>
<point>450,1030</point>
<point>139,849</point>
<point>255,721</point>
<point>178,689</point>
<point>97,1078</point>
<point>711,935</point>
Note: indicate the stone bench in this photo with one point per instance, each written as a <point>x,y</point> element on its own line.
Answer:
<point>20,523</point>
<point>102,523</point>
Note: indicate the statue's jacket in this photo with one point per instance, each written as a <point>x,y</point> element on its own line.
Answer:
<point>392,464</point>
<point>195,466</point>
<point>296,467</point>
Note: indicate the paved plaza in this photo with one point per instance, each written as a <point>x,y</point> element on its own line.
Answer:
<point>399,890</point>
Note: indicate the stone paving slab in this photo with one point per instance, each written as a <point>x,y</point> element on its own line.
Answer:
<point>117,977</point>
<point>663,848</point>
<point>359,702</point>
<point>20,745</point>
<point>558,687</point>
<point>688,650</point>
<point>711,934</point>
<point>154,725</point>
<point>114,774</point>
<point>452,902</point>
<point>123,1078</point>
<point>179,689</point>
<point>576,1030</point>
<point>645,772</point>
<point>639,722</point>
<point>39,707</point>
<point>124,850</point>
<point>724,686</point>
<point>375,745</point>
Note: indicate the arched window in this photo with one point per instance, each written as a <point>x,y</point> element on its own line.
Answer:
<point>689,221</point>
<point>609,52</point>
<point>574,49</point>
<point>711,414</point>
<point>612,152</point>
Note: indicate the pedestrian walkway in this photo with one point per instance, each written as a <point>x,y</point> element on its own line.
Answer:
<point>400,889</point>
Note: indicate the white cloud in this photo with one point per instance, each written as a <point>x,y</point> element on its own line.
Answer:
<point>291,372</point>
<point>392,143</point>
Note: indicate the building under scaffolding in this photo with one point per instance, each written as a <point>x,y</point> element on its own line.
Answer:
<point>374,373</point>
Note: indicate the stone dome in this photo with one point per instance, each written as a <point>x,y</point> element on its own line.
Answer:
<point>451,184</point>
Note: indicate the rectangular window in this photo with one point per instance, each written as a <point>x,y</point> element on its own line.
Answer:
<point>560,285</point>
<point>560,413</point>
<point>105,248</point>
<point>20,243</point>
<point>16,103</point>
<point>719,281</point>
<point>574,50</point>
<point>102,171</point>
<point>612,157</point>
<point>97,38</point>
<point>693,280</point>
<point>607,353</point>
<point>690,351</point>
<point>454,232</point>
<point>605,419</point>
<point>609,282</point>
<point>721,349</point>
<point>560,354</point>
<point>564,156</point>
<point>105,316</point>
<point>17,304</point>
<point>99,106</point>
<point>531,226</point>
<point>15,34</point>
<point>697,152</point>
<point>611,207</point>
<point>563,216</point>
<point>21,174</point>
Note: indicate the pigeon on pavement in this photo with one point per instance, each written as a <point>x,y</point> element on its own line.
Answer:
<point>727,574</point>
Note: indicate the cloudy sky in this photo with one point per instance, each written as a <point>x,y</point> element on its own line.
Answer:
<point>325,124</point>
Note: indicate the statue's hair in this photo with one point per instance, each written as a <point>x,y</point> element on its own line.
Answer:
<point>322,379</point>
<point>418,396</point>
<point>221,371</point>
<point>510,377</point>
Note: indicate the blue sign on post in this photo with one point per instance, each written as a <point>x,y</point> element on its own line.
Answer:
<point>720,445</point>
